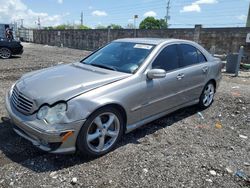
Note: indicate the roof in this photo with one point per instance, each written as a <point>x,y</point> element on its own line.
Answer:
<point>153,41</point>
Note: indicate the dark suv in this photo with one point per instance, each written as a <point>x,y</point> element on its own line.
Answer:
<point>9,48</point>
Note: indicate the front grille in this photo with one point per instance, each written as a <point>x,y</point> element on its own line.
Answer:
<point>21,102</point>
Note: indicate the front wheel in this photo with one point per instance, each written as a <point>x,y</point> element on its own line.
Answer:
<point>100,133</point>
<point>207,96</point>
<point>5,53</point>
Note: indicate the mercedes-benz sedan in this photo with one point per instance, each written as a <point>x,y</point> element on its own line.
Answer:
<point>89,105</point>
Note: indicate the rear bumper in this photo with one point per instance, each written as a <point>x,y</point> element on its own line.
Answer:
<point>49,138</point>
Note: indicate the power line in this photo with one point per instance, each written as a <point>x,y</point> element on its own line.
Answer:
<point>215,16</point>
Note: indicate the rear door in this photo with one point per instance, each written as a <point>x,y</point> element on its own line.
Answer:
<point>194,67</point>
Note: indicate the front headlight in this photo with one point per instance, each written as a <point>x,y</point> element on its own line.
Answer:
<point>52,114</point>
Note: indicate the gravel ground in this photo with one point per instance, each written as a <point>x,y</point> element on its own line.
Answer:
<point>180,150</point>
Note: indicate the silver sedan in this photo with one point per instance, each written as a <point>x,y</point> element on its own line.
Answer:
<point>89,105</point>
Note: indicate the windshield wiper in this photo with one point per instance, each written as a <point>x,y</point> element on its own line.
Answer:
<point>103,66</point>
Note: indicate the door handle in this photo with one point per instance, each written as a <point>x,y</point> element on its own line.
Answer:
<point>204,69</point>
<point>180,76</point>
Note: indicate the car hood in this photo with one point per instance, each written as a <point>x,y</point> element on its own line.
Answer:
<point>61,83</point>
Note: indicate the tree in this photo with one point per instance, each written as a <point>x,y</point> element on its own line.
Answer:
<point>111,26</point>
<point>60,27</point>
<point>66,26</point>
<point>130,26</point>
<point>152,23</point>
<point>101,27</point>
<point>163,24</point>
<point>115,26</point>
<point>83,27</point>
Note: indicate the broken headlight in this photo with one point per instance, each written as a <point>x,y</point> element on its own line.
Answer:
<point>52,115</point>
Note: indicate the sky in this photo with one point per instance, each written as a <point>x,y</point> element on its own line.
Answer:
<point>183,13</point>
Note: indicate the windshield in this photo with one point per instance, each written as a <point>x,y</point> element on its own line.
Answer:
<point>120,56</point>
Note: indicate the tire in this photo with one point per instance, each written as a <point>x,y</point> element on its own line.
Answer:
<point>5,53</point>
<point>207,96</point>
<point>100,133</point>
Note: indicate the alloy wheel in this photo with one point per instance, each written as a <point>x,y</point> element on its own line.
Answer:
<point>103,132</point>
<point>5,53</point>
<point>208,95</point>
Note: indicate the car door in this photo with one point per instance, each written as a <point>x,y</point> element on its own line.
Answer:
<point>194,69</point>
<point>164,93</point>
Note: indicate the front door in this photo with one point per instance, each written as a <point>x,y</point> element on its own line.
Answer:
<point>164,93</point>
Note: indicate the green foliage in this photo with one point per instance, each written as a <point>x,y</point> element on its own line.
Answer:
<point>83,27</point>
<point>101,27</point>
<point>66,26</point>
<point>152,23</point>
<point>115,26</point>
<point>111,26</point>
<point>61,27</point>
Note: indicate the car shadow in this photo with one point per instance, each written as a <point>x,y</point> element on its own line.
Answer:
<point>18,150</point>
<point>15,57</point>
<point>12,57</point>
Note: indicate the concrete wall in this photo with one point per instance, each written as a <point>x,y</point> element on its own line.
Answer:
<point>223,40</point>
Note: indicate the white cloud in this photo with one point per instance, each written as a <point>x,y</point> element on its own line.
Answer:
<point>99,13</point>
<point>195,6</point>
<point>150,13</point>
<point>191,8</point>
<point>14,10</point>
<point>242,17</point>
<point>206,2</point>
<point>60,1</point>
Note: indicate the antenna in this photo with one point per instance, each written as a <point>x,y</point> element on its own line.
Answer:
<point>82,18</point>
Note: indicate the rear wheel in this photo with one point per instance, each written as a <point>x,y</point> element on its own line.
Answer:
<point>100,133</point>
<point>5,53</point>
<point>207,96</point>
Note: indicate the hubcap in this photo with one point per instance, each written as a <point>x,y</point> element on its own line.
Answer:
<point>103,132</point>
<point>208,95</point>
<point>5,53</point>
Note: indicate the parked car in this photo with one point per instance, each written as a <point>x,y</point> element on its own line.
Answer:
<point>9,48</point>
<point>89,105</point>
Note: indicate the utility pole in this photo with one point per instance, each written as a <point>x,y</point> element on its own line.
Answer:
<point>38,23</point>
<point>21,23</point>
<point>82,18</point>
<point>135,17</point>
<point>248,17</point>
<point>167,18</point>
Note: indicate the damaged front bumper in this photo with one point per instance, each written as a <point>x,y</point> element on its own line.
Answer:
<point>59,138</point>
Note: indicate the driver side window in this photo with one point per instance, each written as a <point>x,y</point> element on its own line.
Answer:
<point>168,59</point>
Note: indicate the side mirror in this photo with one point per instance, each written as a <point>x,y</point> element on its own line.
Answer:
<point>156,73</point>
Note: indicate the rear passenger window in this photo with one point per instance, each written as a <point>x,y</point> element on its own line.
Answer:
<point>201,57</point>
<point>189,55</point>
<point>167,59</point>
